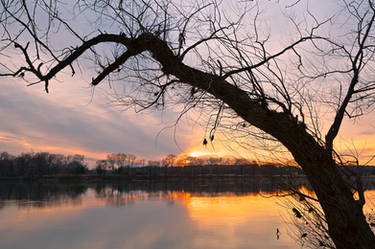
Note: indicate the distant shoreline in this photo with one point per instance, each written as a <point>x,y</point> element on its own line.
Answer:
<point>125,178</point>
<point>95,178</point>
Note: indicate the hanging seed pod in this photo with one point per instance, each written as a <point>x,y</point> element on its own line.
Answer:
<point>204,141</point>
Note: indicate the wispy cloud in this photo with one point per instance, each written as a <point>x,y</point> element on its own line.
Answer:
<point>32,119</point>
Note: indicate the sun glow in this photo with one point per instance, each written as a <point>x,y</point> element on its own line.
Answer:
<point>200,154</point>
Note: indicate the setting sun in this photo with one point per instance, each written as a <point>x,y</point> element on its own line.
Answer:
<point>200,153</point>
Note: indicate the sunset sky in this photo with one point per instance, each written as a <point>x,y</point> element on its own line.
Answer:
<point>76,118</point>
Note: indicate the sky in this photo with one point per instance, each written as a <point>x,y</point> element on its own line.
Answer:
<point>70,119</point>
<point>76,118</point>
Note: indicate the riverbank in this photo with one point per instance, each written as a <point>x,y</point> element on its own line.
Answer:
<point>87,178</point>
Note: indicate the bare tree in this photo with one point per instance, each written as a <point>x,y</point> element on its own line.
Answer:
<point>169,160</point>
<point>204,57</point>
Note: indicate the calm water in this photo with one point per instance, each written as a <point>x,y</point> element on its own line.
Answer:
<point>142,216</point>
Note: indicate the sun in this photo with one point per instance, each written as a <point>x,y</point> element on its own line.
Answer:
<point>195,154</point>
<point>199,153</point>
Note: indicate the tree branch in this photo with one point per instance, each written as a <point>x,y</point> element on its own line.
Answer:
<point>269,58</point>
<point>357,64</point>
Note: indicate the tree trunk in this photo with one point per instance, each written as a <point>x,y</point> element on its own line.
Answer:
<point>347,224</point>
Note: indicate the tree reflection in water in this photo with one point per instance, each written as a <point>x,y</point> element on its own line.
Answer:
<point>208,212</point>
<point>117,194</point>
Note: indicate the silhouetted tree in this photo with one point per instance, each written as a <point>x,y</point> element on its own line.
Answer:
<point>36,165</point>
<point>102,166</point>
<point>196,54</point>
<point>131,159</point>
<point>168,161</point>
<point>154,163</point>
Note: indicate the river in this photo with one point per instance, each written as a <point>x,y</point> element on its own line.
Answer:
<point>145,216</point>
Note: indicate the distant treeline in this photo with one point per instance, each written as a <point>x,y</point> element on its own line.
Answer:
<point>36,165</point>
<point>33,165</point>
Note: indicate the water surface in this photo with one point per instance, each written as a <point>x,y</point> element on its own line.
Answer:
<point>142,216</point>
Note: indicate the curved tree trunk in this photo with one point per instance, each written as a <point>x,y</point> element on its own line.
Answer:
<point>347,224</point>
